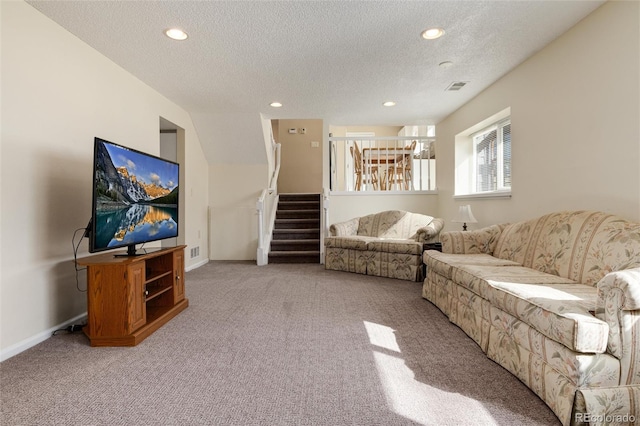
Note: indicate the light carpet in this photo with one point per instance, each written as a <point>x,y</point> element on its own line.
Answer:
<point>275,345</point>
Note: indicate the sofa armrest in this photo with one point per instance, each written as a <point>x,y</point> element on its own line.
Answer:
<point>431,232</point>
<point>342,229</point>
<point>618,304</point>
<point>471,242</point>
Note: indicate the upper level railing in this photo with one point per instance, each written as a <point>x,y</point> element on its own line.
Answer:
<point>382,164</point>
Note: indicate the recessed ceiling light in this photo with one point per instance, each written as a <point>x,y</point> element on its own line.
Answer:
<point>389,103</point>
<point>446,64</point>
<point>275,104</point>
<point>432,33</point>
<point>176,34</point>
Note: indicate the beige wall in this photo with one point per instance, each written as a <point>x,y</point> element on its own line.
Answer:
<point>574,114</point>
<point>57,94</point>
<point>301,169</point>
<point>234,191</point>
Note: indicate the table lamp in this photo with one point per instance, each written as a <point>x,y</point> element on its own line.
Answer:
<point>465,216</point>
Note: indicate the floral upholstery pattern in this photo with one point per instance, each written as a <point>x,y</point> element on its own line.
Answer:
<point>556,301</point>
<point>607,405</point>
<point>443,263</point>
<point>580,245</point>
<point>552,371</point>
<point>618,304</point>
<point>472,242</point>
<point>386,244</point>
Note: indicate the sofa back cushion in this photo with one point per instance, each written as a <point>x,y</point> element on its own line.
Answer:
<point>580,245</point>
<point>396,224</point>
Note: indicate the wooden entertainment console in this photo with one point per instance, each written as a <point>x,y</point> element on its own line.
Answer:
<point>128,298</point>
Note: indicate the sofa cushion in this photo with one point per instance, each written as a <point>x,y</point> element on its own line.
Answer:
<point>443,263</point>
<point>478,278</point>
<point>396,246</point>
<point>555,306</point>
<point>583,369</point>
<point>353,242</point>
<point>561,312</point>
<point>393,224</point>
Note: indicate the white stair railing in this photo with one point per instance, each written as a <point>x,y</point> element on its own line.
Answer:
<point>324,222</point>
<point>268,201</point>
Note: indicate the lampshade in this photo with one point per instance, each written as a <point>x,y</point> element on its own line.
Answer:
<point>465,216</point>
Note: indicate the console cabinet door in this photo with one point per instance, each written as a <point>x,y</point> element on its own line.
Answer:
<point>178,273</point>
<point>137,302</point>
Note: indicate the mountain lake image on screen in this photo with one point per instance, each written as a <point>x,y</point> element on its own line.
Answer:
<point>135,198</point>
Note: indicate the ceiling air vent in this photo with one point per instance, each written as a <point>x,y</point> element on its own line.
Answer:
<point>456,85</point>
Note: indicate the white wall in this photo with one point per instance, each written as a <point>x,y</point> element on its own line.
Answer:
<point>57,93</point>
<point>575,133</point>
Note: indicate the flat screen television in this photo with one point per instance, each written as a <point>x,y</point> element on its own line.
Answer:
<point>135,198</point>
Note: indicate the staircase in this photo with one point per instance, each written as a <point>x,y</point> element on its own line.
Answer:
<point>296,232</point>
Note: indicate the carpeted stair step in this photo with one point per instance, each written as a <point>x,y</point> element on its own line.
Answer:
<point>295,245</point>
<point>299,197</point>
<point>297,214</point>
<point>299,205</point>
<point>296,234</point>
<point>297,223</point>
<point>294,256</point>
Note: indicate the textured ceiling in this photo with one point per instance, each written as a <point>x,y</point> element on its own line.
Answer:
<point>335,60</point>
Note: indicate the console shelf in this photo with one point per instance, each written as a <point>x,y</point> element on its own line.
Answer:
<point>152,294</point>
<point>128,298</point>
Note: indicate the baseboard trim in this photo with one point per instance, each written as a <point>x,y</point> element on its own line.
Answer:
<point>196,265</point>
<point>38,338</point>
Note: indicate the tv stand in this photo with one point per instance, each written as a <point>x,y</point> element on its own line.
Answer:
<point>131,252</point>
<point>128,298</point>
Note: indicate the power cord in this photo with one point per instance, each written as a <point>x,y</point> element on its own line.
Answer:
<point>70,329</point>
<point>75,247</point>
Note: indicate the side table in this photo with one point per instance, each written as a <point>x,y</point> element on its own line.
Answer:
<point>432,246</point>
<point>429,246</point>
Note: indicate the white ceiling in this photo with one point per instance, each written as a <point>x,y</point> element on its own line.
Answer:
<point>335,60</point>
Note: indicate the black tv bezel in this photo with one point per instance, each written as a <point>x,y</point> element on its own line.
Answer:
<point>90,231</point>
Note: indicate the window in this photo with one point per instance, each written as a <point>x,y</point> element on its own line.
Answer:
<point>492,152</point>
<point>483,158</point>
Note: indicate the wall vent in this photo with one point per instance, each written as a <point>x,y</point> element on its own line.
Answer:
<point>456,85</point>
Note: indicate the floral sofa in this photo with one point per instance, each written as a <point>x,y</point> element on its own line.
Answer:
<point>385,244</point>
<point>556,301</point>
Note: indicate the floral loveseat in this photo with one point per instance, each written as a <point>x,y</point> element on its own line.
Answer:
<point>385,244</point>
<point>554,300</point>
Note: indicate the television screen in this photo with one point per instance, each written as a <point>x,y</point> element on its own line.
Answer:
<point>135,198</point>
